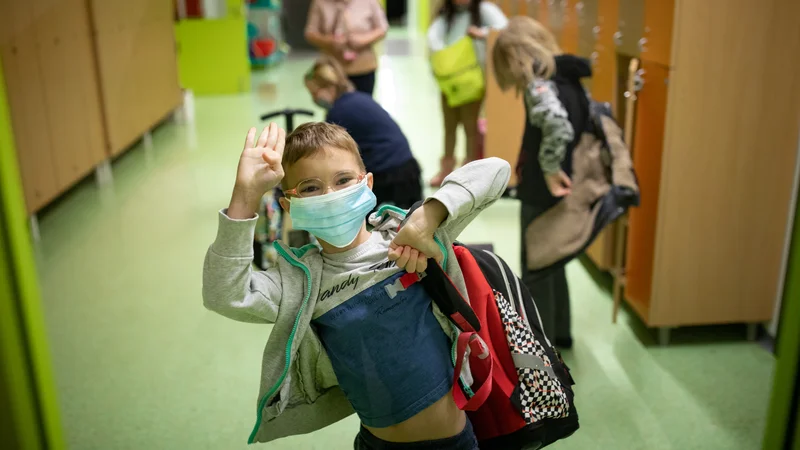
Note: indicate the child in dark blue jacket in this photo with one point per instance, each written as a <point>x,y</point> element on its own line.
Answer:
<point>382,144</point>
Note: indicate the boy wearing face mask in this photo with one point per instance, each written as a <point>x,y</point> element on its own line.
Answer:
<point>352,329</point>
<point>383,146</point>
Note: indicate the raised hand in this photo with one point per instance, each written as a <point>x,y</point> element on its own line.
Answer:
<point>259,170</point>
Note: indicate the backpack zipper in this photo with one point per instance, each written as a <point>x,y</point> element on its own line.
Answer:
<point>276,386</point>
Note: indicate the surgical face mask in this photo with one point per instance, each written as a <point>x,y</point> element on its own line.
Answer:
<point>335,218</point>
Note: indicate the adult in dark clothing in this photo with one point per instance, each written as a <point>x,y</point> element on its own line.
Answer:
<point>383,146</point>
<point>526,57</point>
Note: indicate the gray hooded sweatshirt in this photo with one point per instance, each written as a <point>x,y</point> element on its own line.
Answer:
<point>299,392</point>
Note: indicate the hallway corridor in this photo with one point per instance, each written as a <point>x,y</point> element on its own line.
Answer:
<point>140,364</point>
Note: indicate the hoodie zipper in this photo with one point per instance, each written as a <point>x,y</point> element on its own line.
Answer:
<point>276,386</point>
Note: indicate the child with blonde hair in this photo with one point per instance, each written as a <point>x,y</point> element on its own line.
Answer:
<point>383,146</point>
<point>527,58</point>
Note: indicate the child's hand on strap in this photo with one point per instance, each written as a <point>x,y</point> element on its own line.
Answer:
<point>259,171</point>
<point>414,243</point>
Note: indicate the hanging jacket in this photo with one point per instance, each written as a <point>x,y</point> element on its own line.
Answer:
<point>299,392</point>
<point>572,101</point>
<point>604,186</point>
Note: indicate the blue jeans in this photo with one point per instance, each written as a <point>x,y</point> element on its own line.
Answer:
<point>465,440</point>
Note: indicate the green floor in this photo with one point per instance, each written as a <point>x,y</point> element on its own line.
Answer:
<point>140,364</point>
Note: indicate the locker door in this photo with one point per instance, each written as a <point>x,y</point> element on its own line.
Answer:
<point>648,145</point>
<point>570,32</point>
<point>586,15</point>
<point>631,27</point>
<point>604,60</point>
<point>29,119</point>
<point>534,8</point>
<point>555,17</point>
<point>505,117</point>
<point>656,43</point>
<point>71,90</point>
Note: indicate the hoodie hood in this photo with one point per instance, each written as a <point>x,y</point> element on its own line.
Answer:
<point>573,67</point>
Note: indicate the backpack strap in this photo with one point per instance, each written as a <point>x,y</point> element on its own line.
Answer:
<point>479,355</point>
<point>448,298</point>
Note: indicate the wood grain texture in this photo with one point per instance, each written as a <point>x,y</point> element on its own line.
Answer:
<point>604,62</point>
<point>601,252</point>
<point>659,17</point>
<point>505,117</point>
<point>730,149</point>
<point>570,32</point>
<point>630,26</point>
<point>648,145</point>
<point>70,88</point>
<point>29,120</point>
<point>53,94</point>
<point>587,19</point>
<point>137,66</point>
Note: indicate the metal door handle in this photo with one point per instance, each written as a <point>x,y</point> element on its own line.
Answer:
<point>642,43</point>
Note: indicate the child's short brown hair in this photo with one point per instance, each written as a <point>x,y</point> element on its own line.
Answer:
<point>314,137</point>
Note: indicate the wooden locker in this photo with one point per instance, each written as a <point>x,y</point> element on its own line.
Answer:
<point>555,18</point>
<point>586,14</point>
<point>543,13</point>
<point>159,87</point>
<point>607,20</point>
<point>630,27</point>
<point>505,6</point>
<point>522,7</point>
<point>604,60</point>
<point>656,45</point>
<point>137,68</point>
<point>649,144</point>
<point>570,32</point>
<point>69,84</point>
<point>728,164</point>
<point>534,9</point>
<point>505,117</point>
<point>29,120</point>
<point>16,18</point>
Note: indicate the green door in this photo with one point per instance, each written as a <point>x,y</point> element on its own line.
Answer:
<point>784,414</point>
<point>28,408</point>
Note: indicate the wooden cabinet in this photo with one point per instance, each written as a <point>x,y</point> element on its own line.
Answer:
<point>648,144</point>
<point>55,110</point>
<point>658,28</point>
<point>570,31</point>
<point>80,89</point>
<point>630,27</point>
<point>603,89</point>
<point>136,60</point>
<point>20,61</point>
<point>586,16</point>
<point>712,120</point>
<point>505,117</point>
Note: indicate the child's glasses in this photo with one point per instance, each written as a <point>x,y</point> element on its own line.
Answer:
<point>314,187</point>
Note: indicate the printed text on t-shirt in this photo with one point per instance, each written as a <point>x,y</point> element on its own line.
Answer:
<point>351,281</point>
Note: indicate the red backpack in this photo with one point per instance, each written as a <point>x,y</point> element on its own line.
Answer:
<point>515,387</point>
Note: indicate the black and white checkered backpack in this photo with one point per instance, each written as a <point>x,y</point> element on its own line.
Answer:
<point>512,382</point>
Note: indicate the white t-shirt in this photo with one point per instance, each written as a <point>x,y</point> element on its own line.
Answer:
<point>440,37</point>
